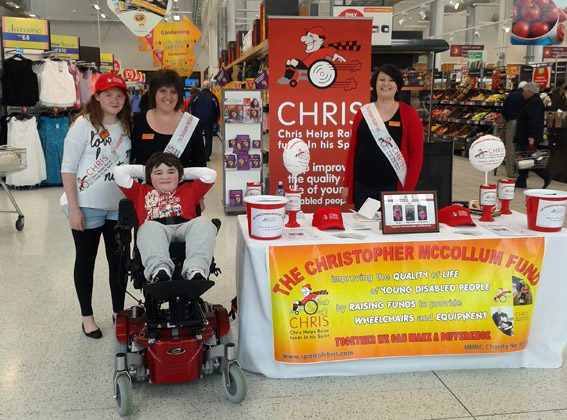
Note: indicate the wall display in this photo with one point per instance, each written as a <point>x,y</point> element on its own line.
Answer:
<point>318,79</point>
<point>140,16</point>
<point>333,302</point>
<point>242,142</point>
<point>413,211</point>
<point>538,23</point>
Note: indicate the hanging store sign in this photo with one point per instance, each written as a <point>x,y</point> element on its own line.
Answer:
<point>319,77</point>
<point>381,20</point>
<point>334,302</point>
<point>140,16</point>
<point>554,52</point>
<point>542,76</point>
<point>65,46</point>
<point>25,33</point>
<point>170,36</point>
<point>463,50</point>
<point>107,62</point>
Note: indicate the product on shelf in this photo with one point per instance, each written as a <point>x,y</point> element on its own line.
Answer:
<point>235,197</point>
<point>230,161</point>
<point>242,162</point>
<point>479,114</point>
<point>480,96</point>
<point>496,97</point>
<point>492,116</point>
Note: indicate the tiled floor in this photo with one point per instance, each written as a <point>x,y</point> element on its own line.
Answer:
<point>50,370</point>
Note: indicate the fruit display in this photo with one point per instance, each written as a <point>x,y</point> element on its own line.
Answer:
<point>496,97</point>
<point>493,116</point>
<point>479,115</point>
<point>534,20</point>
<point>480,96</point>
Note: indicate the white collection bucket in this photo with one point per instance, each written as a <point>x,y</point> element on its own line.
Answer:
<point>546,209</point>
<point>265,216</point>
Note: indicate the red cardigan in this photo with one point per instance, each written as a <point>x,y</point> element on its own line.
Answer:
<point>411,148</point>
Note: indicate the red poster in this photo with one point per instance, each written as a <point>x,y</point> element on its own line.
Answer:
<point>319,77</point>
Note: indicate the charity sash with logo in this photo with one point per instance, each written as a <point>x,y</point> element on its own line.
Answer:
<point>182,134</point>
<point>385,141</point>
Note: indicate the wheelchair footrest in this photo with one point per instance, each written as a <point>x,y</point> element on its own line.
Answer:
<point>184,289</point>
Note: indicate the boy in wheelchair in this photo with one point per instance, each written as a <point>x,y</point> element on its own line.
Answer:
<point>166,213</point>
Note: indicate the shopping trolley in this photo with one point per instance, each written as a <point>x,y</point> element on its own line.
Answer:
<point>12,160</point>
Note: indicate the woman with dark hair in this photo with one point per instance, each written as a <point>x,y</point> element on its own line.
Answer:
<point>386,147</point>
<point>164,127</point>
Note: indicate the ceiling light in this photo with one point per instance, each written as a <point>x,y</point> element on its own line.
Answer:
<point>12,4</point>
<point>95,6</point>
<point>102,15</point>
<point>477,33</point>
<point>457,4</point>
<point>402,21</point>
<point>506,28</point>
<point>451,38</point>
<point>422,14</point>
<point>176,18</point>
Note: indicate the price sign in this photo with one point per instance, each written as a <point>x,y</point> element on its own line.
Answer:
<point>66,46</point>
<point>25,33</point>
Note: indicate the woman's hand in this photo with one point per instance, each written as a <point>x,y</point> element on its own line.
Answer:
<point>76,219</point>
<point>344,195</point>
<point>202,204</point>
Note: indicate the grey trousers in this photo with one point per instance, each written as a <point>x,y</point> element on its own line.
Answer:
<point>199,235</point>
<point>511,164</point>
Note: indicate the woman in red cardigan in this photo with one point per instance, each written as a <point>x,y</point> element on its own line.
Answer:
<point>386,147</point>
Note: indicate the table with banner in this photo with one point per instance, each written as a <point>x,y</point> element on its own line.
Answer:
<point>354,302</point>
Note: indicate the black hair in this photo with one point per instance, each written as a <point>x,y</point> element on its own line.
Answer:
<point>391,71</point>
<point>167,78</point>
<point>157,159</point>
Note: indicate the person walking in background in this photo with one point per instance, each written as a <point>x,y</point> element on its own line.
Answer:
<point>529,132</point>
<point>205,106</point>
<point>513,104</point>
<point>386,147</point>
<point>558,101</point>
<point>193,92</point>
<point>135,100</point>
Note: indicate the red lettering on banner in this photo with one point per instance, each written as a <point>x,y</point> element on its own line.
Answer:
<point>288,281</point>
<point>309,322</point>
<point>524,267</point>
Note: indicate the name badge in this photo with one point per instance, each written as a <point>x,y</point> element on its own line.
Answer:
<point>148,136</point>
<point>104,134</point>
<point>394,123</point>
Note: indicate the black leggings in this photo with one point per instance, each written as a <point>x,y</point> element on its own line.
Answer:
<point>86,247</point>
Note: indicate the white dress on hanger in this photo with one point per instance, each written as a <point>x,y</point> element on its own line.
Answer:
<point>56,84</point>
<point>24,134</point>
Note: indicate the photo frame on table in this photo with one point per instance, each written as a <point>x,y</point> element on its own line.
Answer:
<point>409,212</point>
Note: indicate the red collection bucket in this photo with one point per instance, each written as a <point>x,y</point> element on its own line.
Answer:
<point>546,209</point>
<point>266,215</point>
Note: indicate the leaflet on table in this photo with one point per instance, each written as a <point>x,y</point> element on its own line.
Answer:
<point>351,301</point>
<point>506,230</point>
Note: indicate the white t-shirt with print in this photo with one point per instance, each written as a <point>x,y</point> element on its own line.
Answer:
<point>88,154</point>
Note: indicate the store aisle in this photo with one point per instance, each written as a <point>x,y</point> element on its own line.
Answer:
<point>50,370</point>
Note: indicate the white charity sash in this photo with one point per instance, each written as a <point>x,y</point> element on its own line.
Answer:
<point>182,134</point>
<point>384,141</point>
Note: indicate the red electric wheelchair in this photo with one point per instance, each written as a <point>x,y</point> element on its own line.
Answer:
<point>174,335</point>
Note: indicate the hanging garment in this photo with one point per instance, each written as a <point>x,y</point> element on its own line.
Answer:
<point>56,85</point>
<point>85,90</point>
<point>20,82</point>
<point>74,71</point>
<point>52,132</point>
<point>24,134</point>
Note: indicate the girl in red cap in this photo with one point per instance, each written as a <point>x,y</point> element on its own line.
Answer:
<point>97,141</point>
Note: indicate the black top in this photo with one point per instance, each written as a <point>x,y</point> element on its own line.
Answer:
<point>513,104</point>
<point>20,82</point>
<point>146,141</point>
<point>531,122</point>
<point>371,167</point>
<point>558,101</point>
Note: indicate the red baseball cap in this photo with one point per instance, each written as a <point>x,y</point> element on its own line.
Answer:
<point>317,30</point>
<point>108,80</point>
<point>455,216</point>
<point>328,218</point>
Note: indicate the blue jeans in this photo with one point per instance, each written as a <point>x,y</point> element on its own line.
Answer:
<point>199,235</point>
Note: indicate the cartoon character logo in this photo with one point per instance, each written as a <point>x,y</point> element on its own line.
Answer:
<point>310,302</point>
<point>321,64</point>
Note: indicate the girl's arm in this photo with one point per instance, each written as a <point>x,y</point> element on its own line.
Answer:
<point>76,219</point>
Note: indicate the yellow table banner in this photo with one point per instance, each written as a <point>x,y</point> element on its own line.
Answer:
<point>353,301</point>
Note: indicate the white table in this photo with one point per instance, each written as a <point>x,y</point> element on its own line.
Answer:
<point>548,334</point>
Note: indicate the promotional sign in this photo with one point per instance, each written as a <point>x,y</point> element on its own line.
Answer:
<point>463,50</point>
<point>107,62</point>
<point>381,20</point>
<point>538,23</point>
<point>180,61</point>
<point>140,16</point>
<point>542,76</point>
<point>554,52</point>
<point>170,36</point>
<point>487,153</point>
<point>65,46</point>
<point>320,76</point>
<point>352,301</point>
<point>25,33</point>
<point>133,75</point>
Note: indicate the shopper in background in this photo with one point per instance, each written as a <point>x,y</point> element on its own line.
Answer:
<point>193,92</point>
<point>97,141</point>
<point>513,104</point>
<point>135,100</point>
<point>529,131</point>
<point>144,101</point>
<point>558,101</point>
<point>205,106</point>
<point>380,131</point>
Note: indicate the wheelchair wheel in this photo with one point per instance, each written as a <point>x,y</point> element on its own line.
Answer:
<point>236,391</point>
<point>322,74</point>
<point>310,307</point>
<point>124,395</point>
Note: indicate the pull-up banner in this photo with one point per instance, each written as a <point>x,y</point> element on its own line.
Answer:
<point>354,301</point>
<point>319,77</point>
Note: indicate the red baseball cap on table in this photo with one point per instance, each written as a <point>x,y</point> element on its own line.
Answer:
<point>455,216</point>
<point>328,218</point>
<point>108,80</point>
